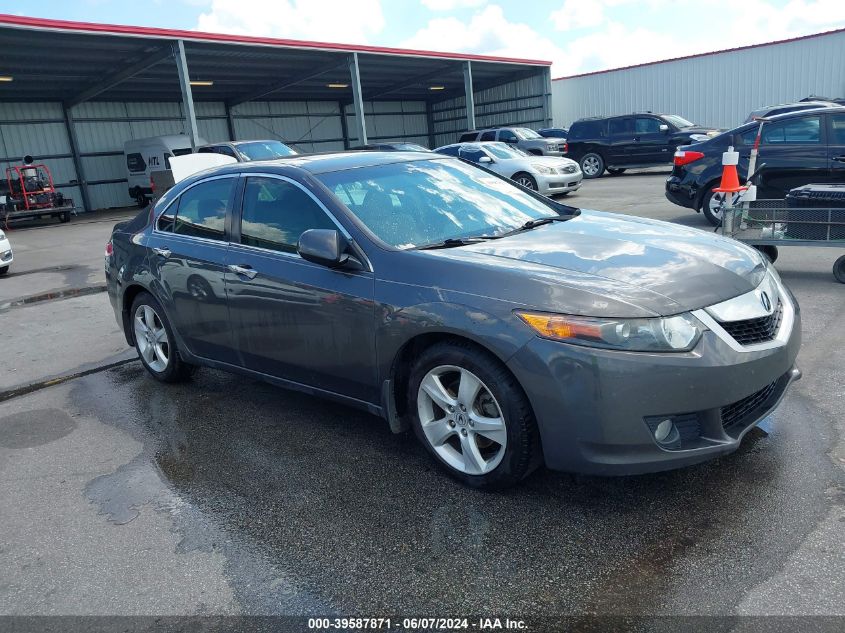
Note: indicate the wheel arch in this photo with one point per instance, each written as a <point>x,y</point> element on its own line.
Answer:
<point>702,192</point>
<point>129,295</point>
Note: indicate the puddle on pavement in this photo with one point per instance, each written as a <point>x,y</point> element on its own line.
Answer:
<point>57,295</point>
<point>34,428</point>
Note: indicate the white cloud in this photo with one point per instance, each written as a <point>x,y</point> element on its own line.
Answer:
<point>326,20</point>
<point>451,5</point>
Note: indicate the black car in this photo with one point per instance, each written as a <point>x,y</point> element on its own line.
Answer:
<point>783,108</point>
<point>508,330</point>
<point>553,132</point>
<point>796,149</point>
<point>631,140</point>
<point>399,146</point>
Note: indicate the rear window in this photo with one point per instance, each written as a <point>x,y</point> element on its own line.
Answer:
<point>803,130</point>
<point>135,163</point>
<point>587,129</point>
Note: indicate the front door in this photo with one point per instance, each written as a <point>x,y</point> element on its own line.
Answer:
<point>793,152</point>
<point>187,254</point>
<point>836,147</point>
<point>651,146</point>
<point>291,318</point>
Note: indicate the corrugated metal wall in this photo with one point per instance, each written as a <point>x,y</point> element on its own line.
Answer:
<point>718,90</point>
<point>516,103</point>
<point>38,129</point>
<point>390,121</point>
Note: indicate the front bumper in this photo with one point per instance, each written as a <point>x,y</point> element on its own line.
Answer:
<point>680,193</point>
<point>6,255</point>
<point>597,409</point>
<point>551,184</point>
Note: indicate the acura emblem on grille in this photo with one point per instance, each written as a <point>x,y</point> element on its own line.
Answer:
<point>767,303</point>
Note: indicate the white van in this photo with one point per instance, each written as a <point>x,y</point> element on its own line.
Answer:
<point>146,155</point>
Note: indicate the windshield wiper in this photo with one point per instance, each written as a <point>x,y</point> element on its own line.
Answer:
<point>452,242</point>
<point>533,224</point>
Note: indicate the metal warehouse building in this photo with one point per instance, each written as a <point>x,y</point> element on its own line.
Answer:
<point>72,93</point>
<point>717,89</point>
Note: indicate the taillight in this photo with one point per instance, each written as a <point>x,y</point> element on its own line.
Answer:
<point>565,148</point>
<point>686,157</point>
<point>109,249</point>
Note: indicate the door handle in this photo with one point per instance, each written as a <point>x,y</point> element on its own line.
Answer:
<point>247,271</point>
<point>162,252</point>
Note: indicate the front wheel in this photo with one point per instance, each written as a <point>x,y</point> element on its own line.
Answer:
<point>472,416</point>
<point>155,342</point>
<point>526,180</point>
<point>64,217</point>
<point>592,165</point>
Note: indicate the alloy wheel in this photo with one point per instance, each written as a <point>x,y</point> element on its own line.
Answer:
<point>525,181</point>
<point>151,338</point>
<point>461,420</point>
<point>591,166</point>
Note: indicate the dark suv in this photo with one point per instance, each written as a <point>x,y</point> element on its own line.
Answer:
<point>796,148</point>
<point>631,140</point>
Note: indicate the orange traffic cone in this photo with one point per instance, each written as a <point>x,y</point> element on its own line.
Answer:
<point>730,179</point>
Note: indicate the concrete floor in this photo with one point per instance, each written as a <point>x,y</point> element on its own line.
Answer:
<point>119,495</point>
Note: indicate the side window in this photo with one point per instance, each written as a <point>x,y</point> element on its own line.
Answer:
<point>489,135</point>
<point>646,125</point>
<point>276,213</point>
<point>135,163</point>
<point>621,126</point>
<point>798,131</point>
<point>226,151</point>
<point>201,210</point>
<point>837,129</point>
<point>471,154</point>
<point>749,136</point>
<point>506,135</point>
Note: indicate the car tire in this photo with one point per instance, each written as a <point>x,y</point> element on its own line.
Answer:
<point>838,269</point>
<point>504,453</point>
<point>155,342</point>
<point>592,165</point>
<point>141,200</point>
<point>526,180</point>
<point>615,171</point>
<point>769,251</point>
<point>64,218</point>
<point>710,205</point>
<point>3,270</point>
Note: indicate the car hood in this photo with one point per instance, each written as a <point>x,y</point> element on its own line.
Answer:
<point>649,266</point>
<point>697,129</point>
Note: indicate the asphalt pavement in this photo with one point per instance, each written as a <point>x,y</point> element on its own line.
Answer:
<point>120,495</point>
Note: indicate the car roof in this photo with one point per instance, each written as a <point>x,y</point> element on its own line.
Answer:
<point>799,113</point>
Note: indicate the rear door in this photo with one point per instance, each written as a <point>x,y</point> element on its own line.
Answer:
<point>187,252</point>
<point>836,147</point>
<point>291,318</point>
<point>621,142</point>
<point>794,153</point>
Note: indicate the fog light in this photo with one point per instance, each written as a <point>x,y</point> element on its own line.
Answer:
<point>664,430</point>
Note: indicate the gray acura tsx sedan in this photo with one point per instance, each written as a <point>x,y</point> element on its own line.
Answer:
<point>508,330</point>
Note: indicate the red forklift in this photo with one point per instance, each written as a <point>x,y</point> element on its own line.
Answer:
<point>29,193</point>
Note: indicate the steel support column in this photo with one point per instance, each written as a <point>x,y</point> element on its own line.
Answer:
<point>344,128</point>
<point>470,96</point>
<point>429,123</point>
<point>357,98</point>
<point>77,160</point>
<point>187,97</point>
<point>230,122</point>
<point>547,96</point>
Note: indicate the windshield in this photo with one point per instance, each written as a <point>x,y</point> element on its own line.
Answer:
<point>264,150</point>
<point>424,202</point>
<point>524,133</point>
<point>503,151</point>
<point>678,121</point>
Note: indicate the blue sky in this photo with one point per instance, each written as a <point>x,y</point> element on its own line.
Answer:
<point>577,35</point>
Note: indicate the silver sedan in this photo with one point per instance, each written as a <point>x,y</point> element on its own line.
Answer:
<point>548,175</point>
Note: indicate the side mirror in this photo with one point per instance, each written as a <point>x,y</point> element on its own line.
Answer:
<point>326,247</point>
<point>664,128</point>
<point>485,159</point>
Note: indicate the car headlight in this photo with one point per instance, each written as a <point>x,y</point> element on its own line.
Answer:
<point>543,169</point>
<point>677,333</point>
<point>2,235</point>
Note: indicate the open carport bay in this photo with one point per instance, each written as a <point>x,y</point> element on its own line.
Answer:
<point>120,495</point>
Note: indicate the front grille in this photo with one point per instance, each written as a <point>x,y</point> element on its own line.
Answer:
<point>759,330</point>
<point>738,411</point>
